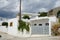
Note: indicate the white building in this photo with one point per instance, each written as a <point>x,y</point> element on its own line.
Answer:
<point>39,26</point>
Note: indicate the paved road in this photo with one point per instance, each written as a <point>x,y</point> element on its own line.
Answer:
<point>10,37</point>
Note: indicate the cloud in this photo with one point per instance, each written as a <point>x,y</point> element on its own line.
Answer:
<point>8,8</point>
<point>57,4</point>
<point>35,5</point>
<point>29,6</point>
<point>9,5</point>
<point>7,14</point>
<point>43,10</point>
<point>3,3</point>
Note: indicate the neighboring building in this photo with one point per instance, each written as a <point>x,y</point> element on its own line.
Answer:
<point>54,12</point>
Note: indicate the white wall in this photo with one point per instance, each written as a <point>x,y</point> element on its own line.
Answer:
<point>53,18</point>
<point>3,29</point>
<point>13,30</point>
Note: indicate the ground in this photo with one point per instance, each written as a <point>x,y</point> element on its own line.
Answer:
<point>6,36</point>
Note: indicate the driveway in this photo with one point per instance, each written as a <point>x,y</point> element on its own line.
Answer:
<point>6,36</point>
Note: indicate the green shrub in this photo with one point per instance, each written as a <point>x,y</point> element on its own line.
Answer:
<point>42,14</point>
<point>59,20</point>
<point>23,25</point>
<point>26,17</point>
<point>58,14</point>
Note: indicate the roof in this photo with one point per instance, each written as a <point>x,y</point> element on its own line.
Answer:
<point>30,14</point>
<point>37,18</point>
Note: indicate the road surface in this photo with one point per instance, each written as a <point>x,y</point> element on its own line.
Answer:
<point>6,36</point>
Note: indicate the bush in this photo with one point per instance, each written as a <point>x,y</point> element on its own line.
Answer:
<point>42,14</point>
<point>26,17</point>
<point>23,25</point>
<point>59,20</point>
<point>55,28</point>
<point>58,14</point>
<point>0,36</point>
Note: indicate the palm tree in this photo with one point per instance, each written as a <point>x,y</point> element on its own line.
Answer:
<point>22,25</point>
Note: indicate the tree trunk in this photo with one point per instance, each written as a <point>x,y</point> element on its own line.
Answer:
<point>20,11</point>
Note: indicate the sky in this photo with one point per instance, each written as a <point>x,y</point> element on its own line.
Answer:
<point>9,8</point>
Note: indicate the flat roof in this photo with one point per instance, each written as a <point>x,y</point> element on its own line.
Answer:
<point>37,18</point>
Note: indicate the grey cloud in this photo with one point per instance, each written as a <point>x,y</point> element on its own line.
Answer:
<point>31,6</point>
<point>28,6</point>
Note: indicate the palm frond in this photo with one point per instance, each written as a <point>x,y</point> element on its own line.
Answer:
<point>23,25</point>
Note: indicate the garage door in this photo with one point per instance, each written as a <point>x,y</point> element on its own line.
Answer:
<point>40,30</point>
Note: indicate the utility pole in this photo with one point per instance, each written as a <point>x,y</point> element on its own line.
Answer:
<point>20,11</point>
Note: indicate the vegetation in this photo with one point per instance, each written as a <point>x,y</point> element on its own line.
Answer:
<point>5,24</point>
<point>58,14</point>
<point>26,17</point>
<point>42,14</point>
<point>59,20</point>
<point>55,28</point>
<point>23,25</point>
<point>0,36</point>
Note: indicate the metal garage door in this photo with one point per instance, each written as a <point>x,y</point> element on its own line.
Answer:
<point>40,30</point>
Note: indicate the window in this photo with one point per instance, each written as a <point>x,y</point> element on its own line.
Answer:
<point>11,24</point>
<point>40,24</point>
<point>47,24</point>
<point>35,24</point>
<point>5,24</point>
